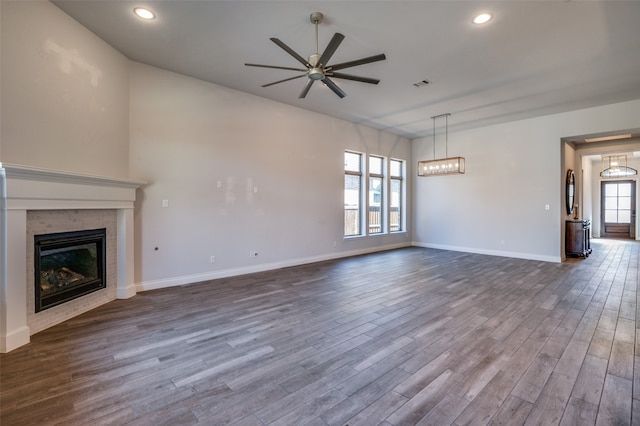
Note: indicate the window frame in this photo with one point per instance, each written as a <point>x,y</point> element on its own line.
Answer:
<point>366,196</point>
<point>401,195</point>
<point>361,192</point>
<point>371,196</point>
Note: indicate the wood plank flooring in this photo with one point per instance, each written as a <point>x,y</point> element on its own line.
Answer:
<point>407,337</point>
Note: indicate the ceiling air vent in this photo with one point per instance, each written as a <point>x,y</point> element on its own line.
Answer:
<point>422,83</point>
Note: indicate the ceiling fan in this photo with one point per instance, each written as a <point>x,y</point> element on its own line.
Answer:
<point>317,68</point>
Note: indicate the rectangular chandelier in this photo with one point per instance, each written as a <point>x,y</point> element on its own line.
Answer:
<point>442,166</point>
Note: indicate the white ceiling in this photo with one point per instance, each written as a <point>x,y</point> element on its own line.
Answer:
<point>534,57</point>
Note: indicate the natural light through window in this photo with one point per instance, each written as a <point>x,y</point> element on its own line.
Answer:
<point>374,199</point>
<point>375,195</point>
<point>617,203</point>
<point>352,194</point>
<point>395,195</point>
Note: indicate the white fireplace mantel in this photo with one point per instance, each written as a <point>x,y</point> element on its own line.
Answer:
<point>25,188</point>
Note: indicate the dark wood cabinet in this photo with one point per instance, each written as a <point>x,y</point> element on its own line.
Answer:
<point>577,238</point>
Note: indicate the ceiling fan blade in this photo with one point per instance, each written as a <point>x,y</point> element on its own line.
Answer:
<point>306,89</point>
<point>276,67</point>
<point>331,48</point>
<point>367,60</point>
<point>290,51</point>
<point>353,77</point>
<point>331,85</point>
<point>282,81</point>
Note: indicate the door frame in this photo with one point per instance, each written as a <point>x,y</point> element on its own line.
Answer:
<point>631,234</point>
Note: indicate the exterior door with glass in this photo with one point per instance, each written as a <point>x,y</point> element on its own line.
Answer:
<point>618,215</point>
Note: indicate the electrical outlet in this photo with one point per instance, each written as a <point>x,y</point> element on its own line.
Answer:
<point>212,259</point>
<point>253,254</point>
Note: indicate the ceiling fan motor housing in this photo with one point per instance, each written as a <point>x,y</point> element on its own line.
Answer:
<point>316,17</point>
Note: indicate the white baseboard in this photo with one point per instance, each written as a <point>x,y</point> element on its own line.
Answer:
<point>127,292</point>
<point>224,273</point>
<point>501,253</point>
<point>15,339</point>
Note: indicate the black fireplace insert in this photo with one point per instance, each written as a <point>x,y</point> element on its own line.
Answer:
<point>68,265</point>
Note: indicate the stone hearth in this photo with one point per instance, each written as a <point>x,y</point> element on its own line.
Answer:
<point>27,192</point>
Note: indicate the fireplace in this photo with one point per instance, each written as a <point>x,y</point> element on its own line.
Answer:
<point>35,201</point>
<point>68,265</point>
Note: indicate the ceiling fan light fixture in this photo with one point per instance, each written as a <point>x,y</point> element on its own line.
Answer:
<point>316,74</point>
<point>144,13</point>
<point>482,18</point>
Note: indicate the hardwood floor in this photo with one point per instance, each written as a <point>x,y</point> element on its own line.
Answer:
<point>407,337</point>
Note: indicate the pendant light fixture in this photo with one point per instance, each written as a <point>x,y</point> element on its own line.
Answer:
<point>441,166</point>
<point>615,166</point>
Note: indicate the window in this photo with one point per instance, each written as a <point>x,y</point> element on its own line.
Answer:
<point>617,202</point>
<point>352,194</point>
<point>373,197</point>
<point>376,178</point>
<point>395,195</point>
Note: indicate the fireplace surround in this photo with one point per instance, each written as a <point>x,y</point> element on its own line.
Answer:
<point>29,192</point>
<point>51,222</point>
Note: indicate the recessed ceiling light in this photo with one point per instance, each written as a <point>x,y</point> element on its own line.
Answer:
<point>144,13</point>
<point>482,18</point>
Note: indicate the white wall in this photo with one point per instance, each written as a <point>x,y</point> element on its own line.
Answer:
<point>512,171</point>
<point>585,191</point>
<point>240,173</point>
<point>64,93</point>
